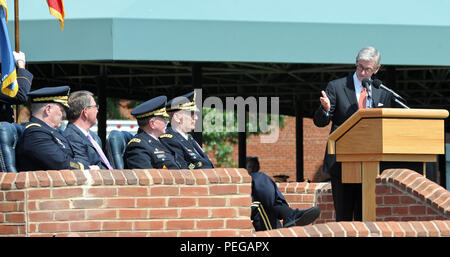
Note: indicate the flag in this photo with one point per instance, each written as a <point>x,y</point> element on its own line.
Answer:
<point>57,9</point>
<point>8,70</point>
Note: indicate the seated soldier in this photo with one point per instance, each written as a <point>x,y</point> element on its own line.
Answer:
<point>269,205</point>
<point>42,146</point>
<point>145,151</point>
<point>183,115</point>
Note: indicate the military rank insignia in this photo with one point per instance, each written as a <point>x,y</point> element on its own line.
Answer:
<point>191,166</point>
<point>136,140</point>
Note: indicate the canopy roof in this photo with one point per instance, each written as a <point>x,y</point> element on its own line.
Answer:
<point>407,32</point>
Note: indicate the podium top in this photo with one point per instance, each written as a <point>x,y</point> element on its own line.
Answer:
<point>387,113</point>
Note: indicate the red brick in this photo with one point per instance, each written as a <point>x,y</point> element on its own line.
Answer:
<point>54,205</point>
<point>149,225</point>
<point>142,177</point>
<point>193,233</point>
<point>85,226</point>
<point>67,192</point>
<point>151,202</point>
<point>223,189</point>
<point>211,202</point>
<point>211,176</point>
<point>180,224</point>
<point>163,213</point>
<point>223,175</point>
<point>223,233</point>
<point>241,201</point>
<point>8,229</point>
<point>118,177</point>
<point>223,212</point>
<point>107,177</point>
<point>68,177</point>
<point>163,234</point>
<point>8,180</point>
<point>178,177</point>
<point>53,227</point>
<point>194,213</point>
<point>193,190</point>
<point>156,177</point>
<point>200,178</point>
<point>210,224</point>
<point>79,177</point>
<point>101,214</point>
<point>120,203</point>
<point>87,203</point>
<point>21,180</point>
<point>133,214</point>
<point>188,177</point>
<point>102,191</point>
<point>167,177</point>
<point>70,215</point>
<point>39,193</point>
<point>15,217</point>
<point>132,191</point>
<point>182,202</point>
<point>234,175</point>
<point>130,177</point>
<point>96,177</point>
<point>40,216</point>
<point>417,210</point>
<point>164,190</point>
<point>56,178</point>
<point>15,195</point>
<point>239,224</point>
<point>33,182</point>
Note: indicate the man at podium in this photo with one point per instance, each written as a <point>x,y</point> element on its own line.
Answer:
<point>342,98</point>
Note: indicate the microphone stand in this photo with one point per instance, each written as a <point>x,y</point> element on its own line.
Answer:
<point>401,103</point>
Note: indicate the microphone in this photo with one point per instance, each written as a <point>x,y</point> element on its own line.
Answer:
<point>378,84</point>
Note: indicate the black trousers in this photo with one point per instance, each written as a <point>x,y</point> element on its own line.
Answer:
<point>347,198</point>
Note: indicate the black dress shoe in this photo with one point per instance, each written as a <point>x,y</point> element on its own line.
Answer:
<point>302,217</point>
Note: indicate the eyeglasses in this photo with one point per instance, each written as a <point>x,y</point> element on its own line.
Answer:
<point>92,106</point>
<point>367,70</point>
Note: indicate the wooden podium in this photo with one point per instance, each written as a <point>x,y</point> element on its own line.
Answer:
<point>389,135</point>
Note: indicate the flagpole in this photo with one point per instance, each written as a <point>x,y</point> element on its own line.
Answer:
<point>17,43</point>
<point>16,24</point>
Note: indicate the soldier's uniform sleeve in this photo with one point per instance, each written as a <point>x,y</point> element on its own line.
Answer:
<point>24,79</point>
<point>45,149</point>
<point>137,156</point>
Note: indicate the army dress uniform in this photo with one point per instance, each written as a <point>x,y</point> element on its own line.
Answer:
<point>143,150</point>
<point>42,147</point>
<point>24,79</point>
<point>188,152</point>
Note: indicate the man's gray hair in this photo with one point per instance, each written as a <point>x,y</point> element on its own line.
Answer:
<point>78,100</point>
<point>369,54</point>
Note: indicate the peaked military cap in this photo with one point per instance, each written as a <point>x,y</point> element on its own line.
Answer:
<point>184,102</point>
<point>50,95</point>
<point>153,107</point>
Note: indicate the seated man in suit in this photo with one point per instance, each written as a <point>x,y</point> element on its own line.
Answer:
<point>183,114</point>
<point>24,79</point>
<point>269,205</point>
<point>145,151</point>
<point>42,146</point>
<point>82,115</point>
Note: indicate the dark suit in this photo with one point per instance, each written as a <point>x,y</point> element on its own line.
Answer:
<point>341,92</point>
<point>43,148</point>
<point>82,147</point>
<point>24,79</point>
<point>145,152</point>
<point>268,204</point>
<point>187,152</point>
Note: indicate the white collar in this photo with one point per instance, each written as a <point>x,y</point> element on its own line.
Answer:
<point>85,132</point>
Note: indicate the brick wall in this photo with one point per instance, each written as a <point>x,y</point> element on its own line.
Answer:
<point>200,203</point>
<point>279,158</point>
